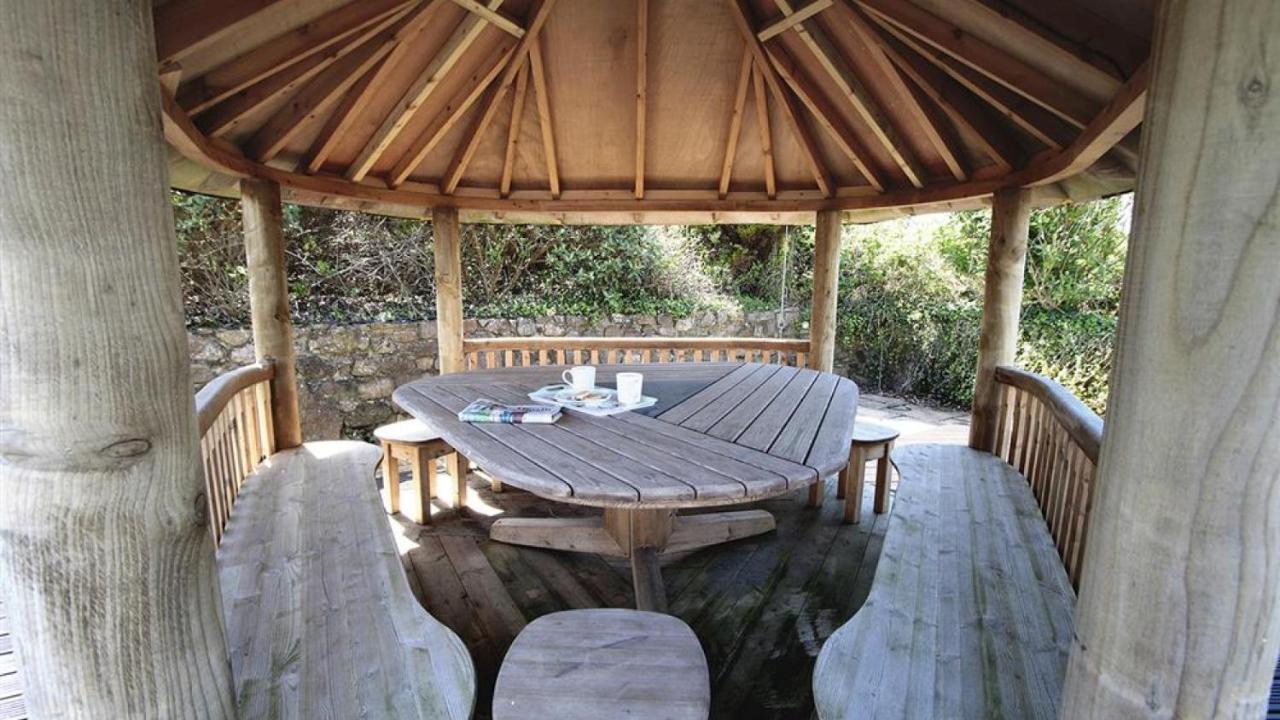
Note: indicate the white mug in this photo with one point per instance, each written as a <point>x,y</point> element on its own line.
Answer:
<point>580,378</point>
<point>630,385</point>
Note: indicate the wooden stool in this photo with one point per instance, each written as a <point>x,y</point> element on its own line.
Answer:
<point>607,663</point>
<point>413,441</point>
<point>870,442</point>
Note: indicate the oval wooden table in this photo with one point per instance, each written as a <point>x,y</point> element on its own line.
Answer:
<point>721,434</point>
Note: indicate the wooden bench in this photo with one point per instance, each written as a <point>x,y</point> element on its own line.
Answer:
<point>500,352</point>
<point>970,611</point>
<point>319,616</point>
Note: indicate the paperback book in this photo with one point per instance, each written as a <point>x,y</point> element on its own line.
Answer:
<point>491,411</point>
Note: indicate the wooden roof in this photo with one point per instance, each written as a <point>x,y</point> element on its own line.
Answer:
<point>654,110</point>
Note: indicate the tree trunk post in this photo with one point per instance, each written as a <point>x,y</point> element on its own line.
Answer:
<point>448,254</point>
<point>269,302</point>
<point>826,282</point>
<point>1179,610</point>
<point>106,559</point>
<point>1001,306</point>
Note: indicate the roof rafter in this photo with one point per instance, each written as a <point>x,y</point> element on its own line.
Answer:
<point>742,18</point>
<point>544,116</point>
<point>1104,44</point>
<point>492,16</point>
<point>298,44</point>
<point>764,130</point>
<point>735,122</point>
<point>184,26</point>
<point>988,60</point>
<point>462,159</point>
<point>423,86</point>
<point>857,94</point>
<point>642,69</point>
<point>791,19</point>
<point>513,130</point>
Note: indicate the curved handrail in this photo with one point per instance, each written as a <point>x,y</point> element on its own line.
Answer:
<point>634,343</point>
<point>1082,424</point>
<point>214,396</point>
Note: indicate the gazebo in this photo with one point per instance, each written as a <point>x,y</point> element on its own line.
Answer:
<point>645,112</point>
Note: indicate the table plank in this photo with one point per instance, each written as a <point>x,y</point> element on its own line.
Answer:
<point>795,437</point>
<point>830,449</point>
<point>714,411</point>
<point>768,423</point>
<point>731,426</point>
<point>699,400</point>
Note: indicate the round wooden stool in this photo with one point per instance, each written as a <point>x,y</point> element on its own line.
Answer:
<point>870,442</point>
<point>606,663</point>
<point>414,442</point>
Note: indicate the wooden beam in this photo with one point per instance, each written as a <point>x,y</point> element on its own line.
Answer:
<point>183,27</point>
<point>170,76</point>
<point>826,115</point>
<point>763,129</point>
<point>990,61</point>
<point>1103,42</point>
<point>447,243</point>
<point>1178,610</point>
<point>642,69</point>
<point>228,114</point>
<point>298,44</point>
<point>826,290</point>
<point>449,116</point>
<point>462,159</point>
<point>492,16</point>
<point>1001,307</point>
<point>423,86</point>
<point>106,558</point>
<point>790,20</point>
<point>269,303</point>
<point>543,101</point>
<point>735,122</point>
<point>859,96</point>
<point>742,18</point>
<point>936,128</point>
<point>513,131</point>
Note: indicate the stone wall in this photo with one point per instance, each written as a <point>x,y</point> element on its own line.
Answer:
<point>346,373</point>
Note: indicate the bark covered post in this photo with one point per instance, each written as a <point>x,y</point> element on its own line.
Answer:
<point>822,309</point>
<point>1001,307</point>
<point>1179,610</point>
<point>448,256</point>
<point>269,303</point>
<point>106,560</point>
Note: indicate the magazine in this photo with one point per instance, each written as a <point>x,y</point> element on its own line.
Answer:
<point>491,411</point>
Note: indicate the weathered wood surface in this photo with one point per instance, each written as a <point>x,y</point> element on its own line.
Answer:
<point>826,283</point>
<point>507,352</point>
<point>447,242</point>
<point>795,432</point>
<point>236,433</point>
<point>1179,612</point>
<point>106,564</point>
<point>320,617</point>
<point>969,615</point>
<point>1082,424</point>
<point>586,664</point>
<point>12,706</point>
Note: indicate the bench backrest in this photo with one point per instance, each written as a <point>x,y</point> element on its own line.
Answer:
<point>486,353</point>
<point>234,413</point>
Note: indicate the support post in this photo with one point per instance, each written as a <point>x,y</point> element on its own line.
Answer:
<point>269,302</point>
<point>448,252</point>
<point>106,559</point>
<point>1001,306</point>
<point>1179,613</point>
<point>822,310</point>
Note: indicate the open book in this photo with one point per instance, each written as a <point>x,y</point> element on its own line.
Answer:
<point>491,411</point>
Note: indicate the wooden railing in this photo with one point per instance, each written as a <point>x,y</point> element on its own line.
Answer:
<point>1053,439</point>
<point>236,434</point>
<point>485,353</point>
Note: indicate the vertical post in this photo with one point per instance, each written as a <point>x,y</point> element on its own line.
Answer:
<point>106,560</point>
<point>1001,306</point>
<point>826,280</point>
<point>1179,610</point>
<point>269,302</point>
<point>448,250</point>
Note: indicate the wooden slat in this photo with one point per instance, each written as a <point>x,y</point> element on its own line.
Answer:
<point>513,130</point>
<point>493,16</point>
<point>764,130</point>
<point>790,19</point>
<point>642,70</point>
<point>544,117</point>
<point>735,123</point>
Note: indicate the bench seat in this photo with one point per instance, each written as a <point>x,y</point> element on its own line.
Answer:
<point>970,611</point>
<point>319,616</point>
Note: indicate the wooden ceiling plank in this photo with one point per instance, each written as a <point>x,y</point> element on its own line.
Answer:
<point>223,81</point>
<point>789,20</point>
<point>184,26</point>
<point>449,116</point>
<point>735,121</point>
<point>963,109</point>
<point>462,159</point>
<point>742,18</point>
<point>492,16</point>
<point>990,61</point>
<point>826,115</point>
<point>513,131</point>
<point>228,114</point>
<point>762,126</point>
<point>936,127</point>
<point>857,95</point>
<point>543,105</point>
<point>464,35</point>
<point>642,69</point>
<point>1105,44</point>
